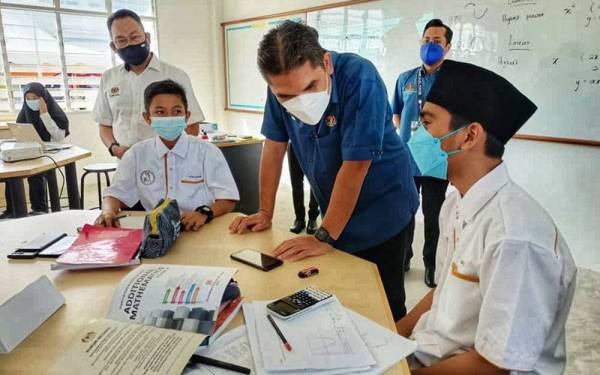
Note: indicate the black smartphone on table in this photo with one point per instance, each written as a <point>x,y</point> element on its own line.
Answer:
<point>256,259</point>
<point>31,249</point>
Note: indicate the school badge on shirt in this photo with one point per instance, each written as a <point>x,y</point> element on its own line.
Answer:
<point>410,87</point>
<point>147,177</point>
<point>331,121</point>
<point>114,91</point>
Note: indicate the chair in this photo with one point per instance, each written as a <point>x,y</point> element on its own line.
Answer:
<point>97,168</point>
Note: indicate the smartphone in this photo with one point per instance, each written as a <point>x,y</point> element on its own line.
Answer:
<point>41,242</point>
<point>256,259</point>
<point>23,254</point>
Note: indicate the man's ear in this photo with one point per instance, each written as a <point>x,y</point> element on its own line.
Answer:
<point>187,116</point>
<point>447,48</point>
<point>475,136</point>
<point>148,38</point>
<point>327,60</point>
<point>146,116</point>
<point>113,47</point>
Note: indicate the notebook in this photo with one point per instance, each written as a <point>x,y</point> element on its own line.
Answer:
<point>99,247</point>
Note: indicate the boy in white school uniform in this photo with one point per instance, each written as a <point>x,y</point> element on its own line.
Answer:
<point>505,275</point>
<point>172,164</point>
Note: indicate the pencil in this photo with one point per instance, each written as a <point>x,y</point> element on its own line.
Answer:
<point>279,333</point>
<point>220,364</point>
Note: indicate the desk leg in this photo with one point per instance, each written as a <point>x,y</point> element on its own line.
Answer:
<point>72,187</point>
<point>53,190</point>
<point>17,196</point>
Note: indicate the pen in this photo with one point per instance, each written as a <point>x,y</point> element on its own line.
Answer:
<point>220,364</point>
<point>120,217</point>
<point>280,334</point>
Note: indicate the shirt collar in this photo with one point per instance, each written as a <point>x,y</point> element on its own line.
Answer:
<point>334,93</point>
<point>482,191</point>
<point>180,148</point>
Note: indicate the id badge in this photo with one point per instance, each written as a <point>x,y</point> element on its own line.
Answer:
<point>414,125</point>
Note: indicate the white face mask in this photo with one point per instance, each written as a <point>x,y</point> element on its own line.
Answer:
<point>309,108</point>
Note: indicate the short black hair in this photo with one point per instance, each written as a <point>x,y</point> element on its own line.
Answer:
<point>123,13</point>
<point>164,87</point>
<point>436,22</point>
<point>288,46</point>
<point>493,147</point>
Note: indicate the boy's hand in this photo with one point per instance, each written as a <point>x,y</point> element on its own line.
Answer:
<point>193,220</point>
<point>108,219</point>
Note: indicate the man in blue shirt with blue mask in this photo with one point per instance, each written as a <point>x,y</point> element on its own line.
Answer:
<point>333,108</point>
<point>412,88</point>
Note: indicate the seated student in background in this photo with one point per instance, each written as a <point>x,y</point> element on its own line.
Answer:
<point>171,165</point>
<point>505,276</point>
<point>41,110</point>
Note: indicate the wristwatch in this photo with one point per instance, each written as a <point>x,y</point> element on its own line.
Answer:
<point>111,146</point>
<point>205,210</point>
<point>323,235</point>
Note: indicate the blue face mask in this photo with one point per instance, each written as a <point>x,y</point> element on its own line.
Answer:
<point>135,54</point>
<point>168,128</point>
<point>431,53</point>
<point>427,152</point>
<point>34,105</point>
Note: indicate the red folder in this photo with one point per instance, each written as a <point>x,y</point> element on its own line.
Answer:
<point>98,247</point>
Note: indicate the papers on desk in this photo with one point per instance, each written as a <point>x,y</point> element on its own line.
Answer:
<point>242,346</point>
<point>324,339</point>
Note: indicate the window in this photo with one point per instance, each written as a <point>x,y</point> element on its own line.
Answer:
<point>94,5</point>
<point>141,7</point>
<point>65,47</point>
<point>87,55</point>
<point>33,52</point>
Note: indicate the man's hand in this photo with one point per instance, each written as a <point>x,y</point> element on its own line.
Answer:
<point>119,151</point>
<point>108,219</point>
<point>255,222</point>
<point>193,220</point>
<point>300,248</point>
<point>43,105</point>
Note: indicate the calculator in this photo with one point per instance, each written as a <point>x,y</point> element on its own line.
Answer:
<point>299,303</point>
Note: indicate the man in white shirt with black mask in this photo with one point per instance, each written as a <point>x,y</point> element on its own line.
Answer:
<point>120,101</point>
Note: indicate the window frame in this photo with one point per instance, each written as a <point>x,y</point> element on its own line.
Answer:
<point>58,11</point>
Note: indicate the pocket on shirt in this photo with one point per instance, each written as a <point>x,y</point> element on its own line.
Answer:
<point>192,181</point>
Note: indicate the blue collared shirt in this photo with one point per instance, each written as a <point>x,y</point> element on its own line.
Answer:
<point>357,125</point>
<point>405,102</point>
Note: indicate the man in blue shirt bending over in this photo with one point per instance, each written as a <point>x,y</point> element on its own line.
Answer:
<point>411,91</point>
<point>333,108</point>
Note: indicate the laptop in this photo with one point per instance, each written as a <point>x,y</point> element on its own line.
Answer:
<point>27,133</point>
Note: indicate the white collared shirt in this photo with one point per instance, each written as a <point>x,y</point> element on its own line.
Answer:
<point>194,172</point>
<point>120,100</point>
<point>505,280</point>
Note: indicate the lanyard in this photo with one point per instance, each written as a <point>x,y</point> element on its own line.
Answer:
<point>420,101</point>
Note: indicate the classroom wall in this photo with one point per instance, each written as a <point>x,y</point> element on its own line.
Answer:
<point>563,178</point>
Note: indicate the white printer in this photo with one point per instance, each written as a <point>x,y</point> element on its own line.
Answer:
<point>15,151</point>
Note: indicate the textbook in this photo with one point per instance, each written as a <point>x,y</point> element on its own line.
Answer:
<point>99,247</point>
<point>193,299</point>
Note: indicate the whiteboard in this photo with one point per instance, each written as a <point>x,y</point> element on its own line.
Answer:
<point>549,49</point>
<point>246,89</point>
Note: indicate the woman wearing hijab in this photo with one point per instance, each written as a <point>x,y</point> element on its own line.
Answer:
<point>51,123</point>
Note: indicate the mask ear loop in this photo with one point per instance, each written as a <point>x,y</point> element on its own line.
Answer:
<point>449,153</point>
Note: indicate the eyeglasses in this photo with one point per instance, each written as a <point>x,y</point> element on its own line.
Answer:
<point>122,42</point>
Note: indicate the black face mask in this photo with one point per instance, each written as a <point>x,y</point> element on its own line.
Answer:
<point>135,54</point>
